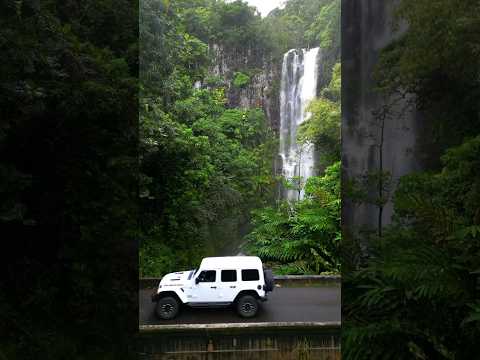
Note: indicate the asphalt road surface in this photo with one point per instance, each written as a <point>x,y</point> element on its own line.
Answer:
<point>306,304</point>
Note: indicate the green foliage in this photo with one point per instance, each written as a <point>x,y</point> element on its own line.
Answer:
<point>239,24</point>
<point>240,80</point>
<point>333,91</point>
<point>325,28</point>
<point>302,237</point>
<point>200,163</point>
<point>304,23</point>
<point>444,75</point>
<point>218,164</point>
<point>418,278</point>
<point>156,259</point>
<point>68,178</point>
<point>234,24</point>
<point>213,81</point>
<point>323,126</point>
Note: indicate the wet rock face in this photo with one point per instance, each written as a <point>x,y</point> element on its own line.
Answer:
<point>326,60</point>
<point>265,71</point>
<point>262,89</point>
<point>366,30</point>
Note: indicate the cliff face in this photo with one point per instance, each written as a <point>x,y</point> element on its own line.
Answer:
<point>327,58</point>
<point>264,72</point>
<point>366,30</point>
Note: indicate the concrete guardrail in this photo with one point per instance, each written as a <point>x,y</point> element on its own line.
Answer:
<point>233,327</point>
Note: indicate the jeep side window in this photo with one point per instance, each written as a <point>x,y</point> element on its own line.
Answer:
<point>250,275</point>
<point>207,276</point>
<point>229,275</point>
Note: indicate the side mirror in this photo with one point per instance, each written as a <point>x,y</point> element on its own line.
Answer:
<point>197,280</point>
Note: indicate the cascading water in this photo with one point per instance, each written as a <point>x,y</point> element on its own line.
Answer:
<point>298,88</point>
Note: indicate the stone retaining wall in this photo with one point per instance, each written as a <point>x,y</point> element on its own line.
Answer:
<point>252,341</point>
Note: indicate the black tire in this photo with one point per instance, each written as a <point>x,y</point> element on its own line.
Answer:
<point>247,306</point>
<point>167,308</point>
<point>269,280</point>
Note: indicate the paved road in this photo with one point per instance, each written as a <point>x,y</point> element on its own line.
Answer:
<point>307,304</point>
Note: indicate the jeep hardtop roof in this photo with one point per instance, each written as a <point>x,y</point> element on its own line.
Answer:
<point>231,262</point>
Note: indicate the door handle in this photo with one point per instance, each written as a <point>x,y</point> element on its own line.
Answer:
<point>232,287</point>
<point>213,287</point>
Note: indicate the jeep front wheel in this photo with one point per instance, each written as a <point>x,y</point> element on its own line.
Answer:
<point>167,308</point>
<point>247,306</point>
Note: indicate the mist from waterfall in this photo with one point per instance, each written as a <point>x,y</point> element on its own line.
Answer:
<point>298,88</point>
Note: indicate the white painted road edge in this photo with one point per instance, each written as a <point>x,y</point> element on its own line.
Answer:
<point>225,326</point>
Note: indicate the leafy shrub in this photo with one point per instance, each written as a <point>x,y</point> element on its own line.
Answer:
<point>323,126</point>
<point>415,298</point>
<point>155,259</point>
<point>302,237</point>
<point>240,80</point>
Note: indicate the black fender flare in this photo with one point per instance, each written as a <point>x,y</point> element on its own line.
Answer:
<point>158,296</point>
<point>253,293</point>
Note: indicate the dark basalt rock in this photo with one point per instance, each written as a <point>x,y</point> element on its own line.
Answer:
<point>366,30</point>
<point>262,91</point>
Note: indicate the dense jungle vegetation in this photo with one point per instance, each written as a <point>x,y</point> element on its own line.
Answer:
<point>413,295</point>
<point>204,165</point>
<point>68,165</point>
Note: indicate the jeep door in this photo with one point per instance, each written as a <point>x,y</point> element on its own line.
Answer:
<point>206,288</point>
<point>228,286</point>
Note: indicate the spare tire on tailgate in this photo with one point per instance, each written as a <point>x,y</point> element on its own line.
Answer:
<point>269,281</point>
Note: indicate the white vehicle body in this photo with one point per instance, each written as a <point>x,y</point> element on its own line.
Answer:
<point>221,280</point>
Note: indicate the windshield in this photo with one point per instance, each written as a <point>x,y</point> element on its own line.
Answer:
<point>191,273</point>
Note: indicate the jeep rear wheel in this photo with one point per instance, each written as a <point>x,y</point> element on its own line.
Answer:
<point>167,308</point>
<point>247,306</point>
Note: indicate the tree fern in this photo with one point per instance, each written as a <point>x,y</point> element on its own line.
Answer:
<point>414,296</point>
<point>303,236</point>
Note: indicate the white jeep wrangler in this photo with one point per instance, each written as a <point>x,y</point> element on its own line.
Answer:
<point>218,282</point>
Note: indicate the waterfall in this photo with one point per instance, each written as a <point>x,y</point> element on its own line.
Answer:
<point>298,87</point>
